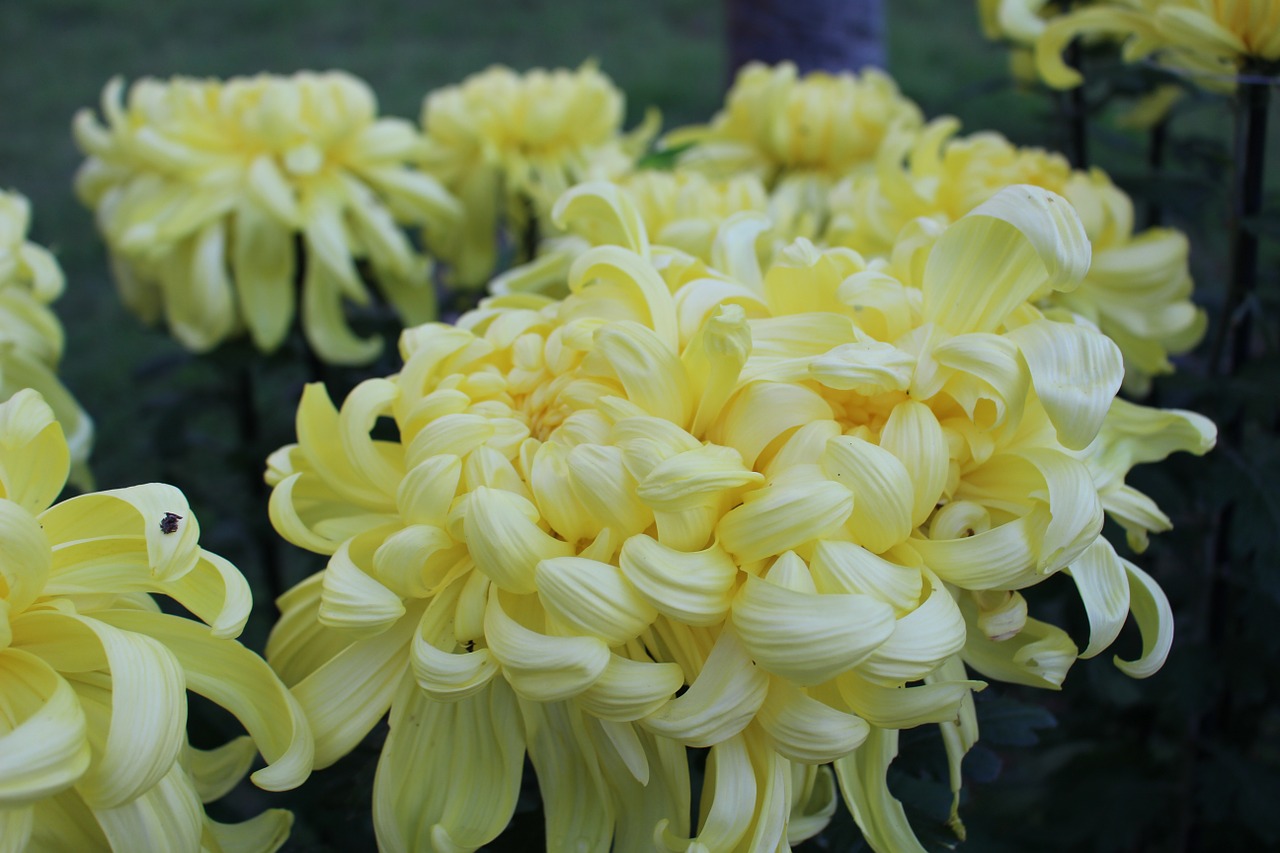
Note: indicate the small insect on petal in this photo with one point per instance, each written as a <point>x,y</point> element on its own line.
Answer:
<point>169,524</point>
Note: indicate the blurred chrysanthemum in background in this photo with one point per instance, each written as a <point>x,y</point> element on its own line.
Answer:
<point>797,133</point>
<point>93,746</point>
<point>224,203</point>
<point>775,511</point>
<point>1210,40</point>
<point>31,336</point>
<point>508,144</point>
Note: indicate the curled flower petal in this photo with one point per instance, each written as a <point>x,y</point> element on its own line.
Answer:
<point>538,666</point>
<point>690,587</point>
<point>1155,619</point>
<point>719,703</point>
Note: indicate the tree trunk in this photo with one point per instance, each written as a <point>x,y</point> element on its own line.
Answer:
<point>831,35</point>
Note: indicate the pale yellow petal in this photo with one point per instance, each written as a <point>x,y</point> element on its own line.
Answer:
<point>920,641</point>
<point>877,812</point>
<point>1154,616</point>
<point>775,519</point>
<point>263,833</point>
<point>804,729</point>
<point>630,689</point>
<point>33,453</point>
<point>168,815</point>
<point>593,599</point>
<point>540,667</point>
<point>1103,584</point>
<point>354,601</point>
<point>779,628</point>
<point>578,811</point>
<point>693,588</point>
<point>721,701</point>
<point>43,747</point>
<point>262,257</point>
<point>504,540</point>
<point>904,707</point>
<point>1076,372</point>
<point>419,799</point>
<point>913,435</point>
<point>1038,656</point>
<point>844,567</point>
<point>882,489</point>
<point>237,679</point>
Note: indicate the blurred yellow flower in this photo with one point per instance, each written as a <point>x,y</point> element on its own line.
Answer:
<point>93,748</point>
<point>31,336</point>
<point>1138,287</point>
<point>611,528</point>
<point>1211,40</point>
<point>798,134</point>
<point>508,144</point>
<point>223,203</point>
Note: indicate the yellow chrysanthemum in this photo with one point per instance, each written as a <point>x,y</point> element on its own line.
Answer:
<point>93,748</point>
<point>217,198</point>
<point>1138,287</point>
<point>681,210</point>
<point>31,337</point>
<point>509,144</point>
<point>799,134</point>
<point>1212,40</point>
<point>724,507</point>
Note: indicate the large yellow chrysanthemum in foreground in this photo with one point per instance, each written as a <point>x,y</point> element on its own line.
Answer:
<point>509,144</point>
<point>778,513</point>
<point>223,203</point>
<point>1212,40</point>
<point>93,677</point>
<point>1138,287</point>
<point>31,336</point>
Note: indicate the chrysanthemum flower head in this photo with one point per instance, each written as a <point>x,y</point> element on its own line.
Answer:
<point>93,748</point>
<point>31,336</point>
<point>1211,40</point>
<point>1138,286</point>
<point>508,144</point>
<point>224,203</point>
<point>799,134</point>
<point>769,511</point>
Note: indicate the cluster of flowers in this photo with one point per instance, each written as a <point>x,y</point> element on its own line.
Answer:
<point>224,204</point>
<point>755,455</point>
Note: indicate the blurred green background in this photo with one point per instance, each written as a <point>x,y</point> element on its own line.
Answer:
<point>1187,760</point>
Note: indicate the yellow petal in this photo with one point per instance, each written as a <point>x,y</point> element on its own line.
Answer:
<point>920,641</point>
<point>878,813</point>
<point>236,679</point>
<point>606,212</point>
<point>843,567</point>
<point>630,689</point>
<point>428,489</point>
<point>43,748</point>
<point>346,696</point>
<point>592,598</point>
<point>25,568</point>
<point>271,190</point>
<point>262,833</point>
<point>142,699</point>
<point>1155,619</point>
<point>538,666</point>
<point>354,601</point>
<point>777,518</point>
<point>168,815</point>
<point>1022,240</point>
<point>778,627</point>
<point>804,729</point>
<point>693,588</point>
<point>625,276</point>
<point>264,264</point>
<point>1103,584</point>
<point>881,486</point>
<point>16,823</point>
<point>648,368</point>
<point>449,773</point>
<point>1076,372</point>
<point>214,772</point>
<point>904,707</point>
<point>136,511</point>
<point>33,454</point>
<point>324,324</point>
<point>721,701</point>
<point>578,810</point>
<point>731,789</point>
<point>1038,656</point>
<point>913,435</point>
<point>762,411</point>
<point>504,540</point>
<point>1004,557</point>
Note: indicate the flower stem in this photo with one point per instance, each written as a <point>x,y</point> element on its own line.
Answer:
<point>1232,338</point>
